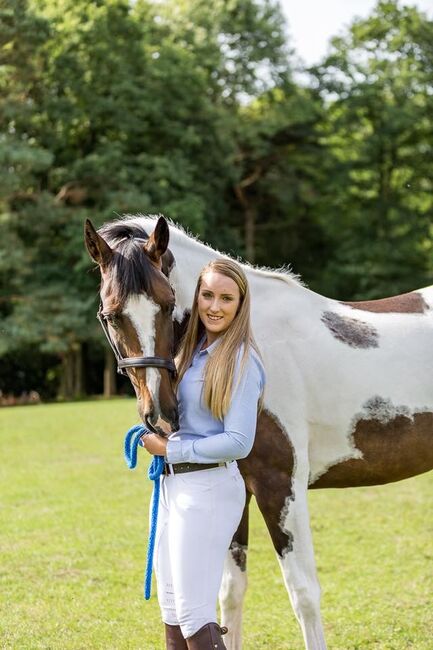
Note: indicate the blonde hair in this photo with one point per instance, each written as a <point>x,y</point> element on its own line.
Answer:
<point>220,366</point>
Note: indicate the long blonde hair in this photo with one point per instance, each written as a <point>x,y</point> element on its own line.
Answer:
<point>220,366</point>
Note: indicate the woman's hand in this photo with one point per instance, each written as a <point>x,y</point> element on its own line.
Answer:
<point>154,444</point>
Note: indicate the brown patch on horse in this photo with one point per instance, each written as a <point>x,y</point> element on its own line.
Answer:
<point>267,472</point>
<point>406,303</point>
<point>395,442</point>
<point>239,544</point>
<point>351,331</point>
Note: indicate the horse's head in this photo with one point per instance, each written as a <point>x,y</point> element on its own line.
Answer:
<point>136,308</point>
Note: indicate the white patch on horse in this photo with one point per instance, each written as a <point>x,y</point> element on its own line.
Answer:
<point>231,597</point>
<point>178,313</point>
<point>427,296</point>
<point>142,311</point>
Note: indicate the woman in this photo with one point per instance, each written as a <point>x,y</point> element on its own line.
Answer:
<point>220,384</point>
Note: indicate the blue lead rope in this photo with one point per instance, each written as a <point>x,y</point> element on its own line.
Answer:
<point>156,468</point>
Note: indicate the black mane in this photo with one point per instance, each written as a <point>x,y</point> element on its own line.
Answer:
<point>132,271</point>
<point>115,231</point>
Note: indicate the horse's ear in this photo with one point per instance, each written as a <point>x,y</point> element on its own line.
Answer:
<point>97,247</point>
<point>157,243</point>
<point>167,262</point>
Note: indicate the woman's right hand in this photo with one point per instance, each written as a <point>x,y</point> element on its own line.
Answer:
<point>154,444</point>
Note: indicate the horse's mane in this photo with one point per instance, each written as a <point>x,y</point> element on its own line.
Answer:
<point>131,226</point>
<point>132,271</point>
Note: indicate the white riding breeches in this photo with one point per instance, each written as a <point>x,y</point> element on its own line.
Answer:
<point>198,514</point>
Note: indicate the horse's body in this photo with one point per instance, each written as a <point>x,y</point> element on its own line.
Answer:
<point>348,402</point>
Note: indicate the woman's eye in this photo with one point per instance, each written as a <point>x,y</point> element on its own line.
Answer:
<point>206,295</point>
<point>227,299</point>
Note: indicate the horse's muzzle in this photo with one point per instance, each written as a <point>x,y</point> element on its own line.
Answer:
<point>162,427</point>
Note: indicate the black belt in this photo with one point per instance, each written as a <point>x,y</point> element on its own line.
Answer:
<point>181,468</point>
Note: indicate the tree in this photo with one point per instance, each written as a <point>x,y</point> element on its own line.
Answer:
<point>377,83</point>
<point>278,181</point>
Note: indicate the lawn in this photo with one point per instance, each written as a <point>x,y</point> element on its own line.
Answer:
<point>73,538</point>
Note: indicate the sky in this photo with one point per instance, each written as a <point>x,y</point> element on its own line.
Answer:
<point>313,22</point>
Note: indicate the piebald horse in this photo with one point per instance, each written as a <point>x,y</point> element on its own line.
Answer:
<point>348,400</point>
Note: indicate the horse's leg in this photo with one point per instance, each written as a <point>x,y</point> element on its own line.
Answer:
<point>234,583</point>
<point>283,503</point>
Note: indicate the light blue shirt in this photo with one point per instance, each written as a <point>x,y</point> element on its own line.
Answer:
<point>201,437</point>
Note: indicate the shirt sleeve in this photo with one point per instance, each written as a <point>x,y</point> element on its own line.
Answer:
<point>240,422</point>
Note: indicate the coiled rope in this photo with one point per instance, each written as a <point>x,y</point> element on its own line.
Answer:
<point>156,468</point>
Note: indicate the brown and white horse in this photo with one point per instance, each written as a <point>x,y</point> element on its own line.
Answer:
<point>348,400</point>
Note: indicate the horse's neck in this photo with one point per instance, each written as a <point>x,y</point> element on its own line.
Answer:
<point>190,257</point>
<point>275,296</point>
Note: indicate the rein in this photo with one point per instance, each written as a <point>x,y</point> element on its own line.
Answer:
<point>156,468</point>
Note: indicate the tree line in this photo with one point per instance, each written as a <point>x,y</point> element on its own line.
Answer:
<point>198,111</point>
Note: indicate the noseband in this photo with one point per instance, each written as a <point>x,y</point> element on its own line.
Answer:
<point>133,362</point>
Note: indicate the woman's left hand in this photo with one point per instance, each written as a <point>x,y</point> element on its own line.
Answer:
<point>154,444</point>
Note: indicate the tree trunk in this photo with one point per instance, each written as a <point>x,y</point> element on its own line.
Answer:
<point>250,233</point>
<point>66,380</point>
<point>109,374</point>
<point>71,380</point>
<point>249,211</point>
<point>249,222</point>
<point>78,370</point>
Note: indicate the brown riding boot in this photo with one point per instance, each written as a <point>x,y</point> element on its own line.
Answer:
<point>207,638</point>
<point>174,638</point>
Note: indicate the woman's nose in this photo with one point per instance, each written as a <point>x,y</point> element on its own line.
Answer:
<point>215,305</point>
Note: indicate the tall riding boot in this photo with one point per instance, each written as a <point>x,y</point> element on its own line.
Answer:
<point>174,638</point>
<point>207,638</point>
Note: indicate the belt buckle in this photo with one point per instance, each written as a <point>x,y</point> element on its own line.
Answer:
<point>168,470</point>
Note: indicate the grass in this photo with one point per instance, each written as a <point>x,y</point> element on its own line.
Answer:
<point>73,537</point>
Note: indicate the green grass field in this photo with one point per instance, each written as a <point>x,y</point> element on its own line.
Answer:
<point>73,538</point>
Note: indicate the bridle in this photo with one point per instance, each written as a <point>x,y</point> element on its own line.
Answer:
<point>133,362</point>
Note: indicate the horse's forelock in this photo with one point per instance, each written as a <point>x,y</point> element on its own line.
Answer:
<point>115,232</point>
<point>131,270</point>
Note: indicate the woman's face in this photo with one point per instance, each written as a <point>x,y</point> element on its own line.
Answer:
<point>218,301</point>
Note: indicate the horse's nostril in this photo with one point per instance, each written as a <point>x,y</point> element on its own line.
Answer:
<point>148,420</point>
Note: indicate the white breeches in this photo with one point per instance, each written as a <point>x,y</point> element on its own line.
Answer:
<point>199,513</point>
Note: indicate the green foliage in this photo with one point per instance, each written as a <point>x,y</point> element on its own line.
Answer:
<point>280,154</point>
<point>379,205</point>
<point>22,157</point>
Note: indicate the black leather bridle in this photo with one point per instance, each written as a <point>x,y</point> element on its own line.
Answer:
<point>133,362</point>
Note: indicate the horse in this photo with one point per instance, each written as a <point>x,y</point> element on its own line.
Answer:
<point>348,400</point>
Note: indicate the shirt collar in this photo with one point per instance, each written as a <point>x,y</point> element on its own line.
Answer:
<point>210,348</point>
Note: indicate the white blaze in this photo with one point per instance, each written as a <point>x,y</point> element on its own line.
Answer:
<point>142,312</point>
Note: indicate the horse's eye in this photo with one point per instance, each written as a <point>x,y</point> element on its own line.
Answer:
<point>112,319</point>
